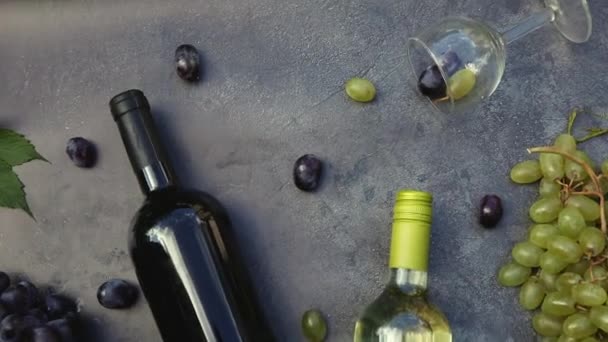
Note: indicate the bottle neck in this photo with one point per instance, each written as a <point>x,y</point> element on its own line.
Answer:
<point>147,156</point>
<point>408,281</point>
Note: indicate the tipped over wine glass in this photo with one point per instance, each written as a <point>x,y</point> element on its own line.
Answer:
<point>459,62</point>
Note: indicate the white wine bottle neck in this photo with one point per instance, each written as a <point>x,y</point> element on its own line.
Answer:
<point>409,281</point>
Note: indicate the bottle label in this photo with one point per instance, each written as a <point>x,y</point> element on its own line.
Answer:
<point>410,245</point>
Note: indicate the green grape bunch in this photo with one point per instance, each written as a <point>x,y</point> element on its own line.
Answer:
<point>562,268</point>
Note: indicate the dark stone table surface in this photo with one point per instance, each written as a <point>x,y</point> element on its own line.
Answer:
<point>272,90</point>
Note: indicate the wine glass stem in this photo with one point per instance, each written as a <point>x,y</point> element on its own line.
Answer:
<point>531,23</point>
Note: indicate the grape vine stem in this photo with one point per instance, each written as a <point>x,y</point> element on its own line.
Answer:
<point>594,177</point>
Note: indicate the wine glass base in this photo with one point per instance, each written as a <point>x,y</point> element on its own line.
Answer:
<point>572,19</point>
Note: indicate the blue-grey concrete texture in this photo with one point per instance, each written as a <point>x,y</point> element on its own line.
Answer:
<point>271,91</point>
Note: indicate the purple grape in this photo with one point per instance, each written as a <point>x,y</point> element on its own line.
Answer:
<point>44,334</point>
<point>5,281</point>
<point>451,62</point>
<point>3,311</point>
<point>187,62</point>
<point>307,172</point>
<point>12,328</point>
<point>117,294</point>
<point>64,328</point>
<point>491,211</point>
<point>33,295</point>
<point>15,299</point>
<point>57,306</point>
<point>431,83</point>
<point>39,314</point>
<point>82,152</point>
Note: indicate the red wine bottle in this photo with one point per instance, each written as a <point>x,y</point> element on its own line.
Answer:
<point>182,245</point>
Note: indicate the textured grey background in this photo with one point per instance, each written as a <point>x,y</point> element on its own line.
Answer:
<point>272,90</point>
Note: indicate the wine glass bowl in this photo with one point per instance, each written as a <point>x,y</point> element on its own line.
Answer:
<point>459,61</point>
<point>454,45</point>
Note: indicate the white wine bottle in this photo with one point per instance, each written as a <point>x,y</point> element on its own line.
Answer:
<point>402,313</point>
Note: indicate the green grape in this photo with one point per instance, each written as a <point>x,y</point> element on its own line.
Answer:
<point>589,294</point>
<point>558,304</point>
<point>588,207</point>
<point>513,274</point>
<point>576,171</point>
<point>548,280</point>
<point>578,326</point>
<point>551,263</point>
<point>360,89</point>
<point>461,83</point>
<point>551,165</point>
<point>531,294</point>
<point>548,339</point>
<point>526,172</point>
<point>546,209</point>
<point>570,222</point>
<point>566,338</point>
<point>566,143</point>
<point>547,325</point>
<point>599,317</point>
<point>314,326</point>
<point>592,240</point>
<point>540,233</point>
<point>579,268</point>
<point>548,188</point>
<point>590,339</point>
<point>566,280</point>
<point>604,167</point>
<point>600,276</point>
<point>565,248</point>
<point>527,254</point>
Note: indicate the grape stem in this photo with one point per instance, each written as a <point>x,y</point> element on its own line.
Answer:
<point>594,177</point>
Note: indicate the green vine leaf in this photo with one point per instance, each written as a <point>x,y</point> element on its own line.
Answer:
<point>15,149</point>
<point>11,189</point>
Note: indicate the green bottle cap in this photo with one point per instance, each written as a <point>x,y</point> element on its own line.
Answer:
<point>411,230</point>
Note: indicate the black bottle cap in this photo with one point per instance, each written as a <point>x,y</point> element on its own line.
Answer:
<point>128,101</point>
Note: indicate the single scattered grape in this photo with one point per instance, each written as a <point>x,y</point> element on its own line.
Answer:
<point>431,83</point>
<point>117,294</point>
<point>546,209</point>
<point>490,211</point>
<point>307,172</point>
<point>513,274</point>
<point>531,294</point>
<point>526,172</point>
<point>589,294</point>
<point>558,304</point>
<point>592,240</point>
<point>578,326</point>
<point>314,326</point>
<point>541,233</point>
<point>547,325</point>
<point>360,89</point>
<point>570,222</point>
<point>588,207</point>
<point>527,254</point>
<point>551,165</point>
<point>188,63</point>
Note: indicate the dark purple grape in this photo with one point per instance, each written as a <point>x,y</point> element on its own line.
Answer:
<point>5,281</point>
<point>491,211</point>
<point>117,294</point>
<point>12,328</point>
<point>82,152</point>
<point>451,62</point>
<point>39,314</point>
<point>3,311</point>
<point>64,328</point>
<point>32,292</point>
<point>15,299</point>
<point>44,334</point>
<point>188,62</point>
<point>57,306</point>
<point>431,83</point>
<point>307,172</point>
